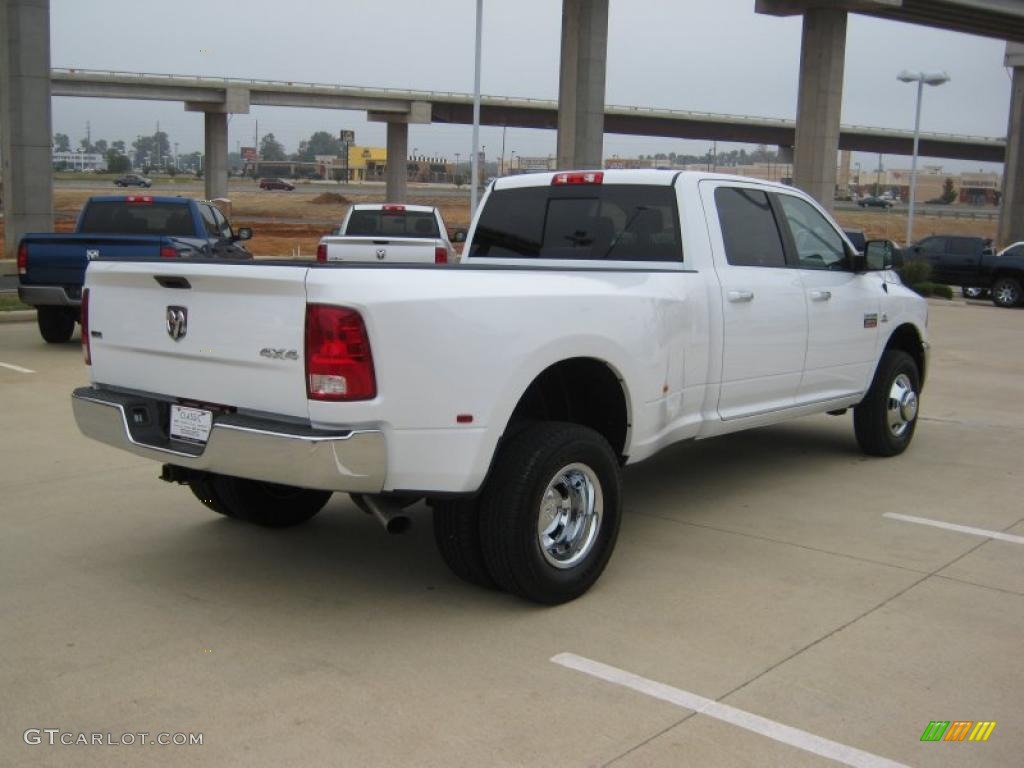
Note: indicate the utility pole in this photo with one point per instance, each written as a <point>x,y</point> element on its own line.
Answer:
<point>88,133</point>
<point>878,176</point>
<point>501,172</point>
<point>156,140</point>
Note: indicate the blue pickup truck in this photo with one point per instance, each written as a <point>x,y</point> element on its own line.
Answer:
<point>51,267</point>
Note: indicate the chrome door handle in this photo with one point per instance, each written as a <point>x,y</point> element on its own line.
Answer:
<point>821,295</point>
<point>740,295</point>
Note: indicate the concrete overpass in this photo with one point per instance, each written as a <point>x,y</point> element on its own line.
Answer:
<point>215,95</point>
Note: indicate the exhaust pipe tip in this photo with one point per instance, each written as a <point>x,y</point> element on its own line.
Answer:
<point>388,513</point>
<point>398,524</point>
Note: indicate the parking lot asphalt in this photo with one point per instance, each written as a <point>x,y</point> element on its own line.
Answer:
<point>757,570</point>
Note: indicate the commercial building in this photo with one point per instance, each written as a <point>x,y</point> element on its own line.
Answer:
<point>79,161</point>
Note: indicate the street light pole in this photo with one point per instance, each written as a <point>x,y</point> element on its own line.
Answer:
<point>922,79</point>
<point>475,160</point>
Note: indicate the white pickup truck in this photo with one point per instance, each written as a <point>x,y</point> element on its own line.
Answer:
<point>596,318</point>
<point>389,232</point>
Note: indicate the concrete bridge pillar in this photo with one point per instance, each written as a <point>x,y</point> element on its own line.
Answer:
<point>215,134</point>
<point>25,124</point>
<point>419,112</point>
<point>215,164</point>
<point>581,82</point>
<point>397,190</point>
<point>1011,215</point>
<point>819,103</point>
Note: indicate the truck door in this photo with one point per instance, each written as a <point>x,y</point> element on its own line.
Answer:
<point>843,308</point>
<point>764,317</point>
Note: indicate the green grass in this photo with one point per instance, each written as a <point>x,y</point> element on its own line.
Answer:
<point>9,301</point>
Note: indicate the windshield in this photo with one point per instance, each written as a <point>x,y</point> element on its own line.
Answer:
<point>116,217</point>
<point>392,224</point>
<point>631,222</point>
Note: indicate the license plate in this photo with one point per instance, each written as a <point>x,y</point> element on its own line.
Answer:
<point>190,424</point>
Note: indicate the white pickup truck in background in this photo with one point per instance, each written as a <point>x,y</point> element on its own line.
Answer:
<point>596,318</point>
<point>389,232</point>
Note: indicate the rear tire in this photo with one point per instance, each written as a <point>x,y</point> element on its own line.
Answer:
<point>56,324</point>
<point>1006,292</point>
<point>973,293</point>
<point>885,419</point>
<point>457,535</point>
<point>266,504</point>
<point>549,515</point>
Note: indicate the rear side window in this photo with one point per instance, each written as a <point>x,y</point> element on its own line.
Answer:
<point>115,217</point>
<point>933,245</point>
<point>749,230</point>
<point>392,224</point>
<point>618,222</point>
<point>963,246</point>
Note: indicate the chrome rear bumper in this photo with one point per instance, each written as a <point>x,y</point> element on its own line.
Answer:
<point>276,452</point>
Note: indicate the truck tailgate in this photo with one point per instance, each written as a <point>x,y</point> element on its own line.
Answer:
<point>381,249</point>
<point>61,259</point>
<point>241,340</point>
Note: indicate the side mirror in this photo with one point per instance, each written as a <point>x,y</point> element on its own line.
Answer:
<point>244,233</point>
<point>878,255</point>
<point>459,236</point>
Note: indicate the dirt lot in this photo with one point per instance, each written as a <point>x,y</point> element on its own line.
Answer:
<point>282,223</point>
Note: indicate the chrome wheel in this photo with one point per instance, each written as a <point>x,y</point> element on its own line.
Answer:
<point>973,293</point>
<point>570,515</point>
<point>901,407</point>
<point>1007,293</point>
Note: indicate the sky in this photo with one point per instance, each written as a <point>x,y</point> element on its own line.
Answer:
<point>704,55</point>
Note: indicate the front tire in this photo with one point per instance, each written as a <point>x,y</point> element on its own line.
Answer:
<point>1006,292</point>
<point>56,324</point>
<point>549,515</point>
<point>885,419</point>
<point>266,504</point>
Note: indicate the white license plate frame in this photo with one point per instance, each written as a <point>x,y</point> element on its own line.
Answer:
<point>190,425</point>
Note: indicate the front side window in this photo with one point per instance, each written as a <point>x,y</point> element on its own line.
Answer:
<point>933,245</point>
<point>818,244</point>
<point>613,222</point>
<point>749,231</point>
<point>222,224</point>
<point>209,222</point>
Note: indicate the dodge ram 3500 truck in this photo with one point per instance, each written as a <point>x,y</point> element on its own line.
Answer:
<point>51,267</point>
<point>389,232</point>
<point>597,317</point>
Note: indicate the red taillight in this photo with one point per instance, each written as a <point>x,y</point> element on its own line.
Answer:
<point>584,177</point>
<point>339,365</point>
<point>139,199</point>
<point>440,255</point>
<point>22,259</point>
<point>86,346</point>
<point>167,252</point>
<point>392,208</point>
<point>321,252</point>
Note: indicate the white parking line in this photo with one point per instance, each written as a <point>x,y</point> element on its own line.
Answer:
<point>954,527</point>
<point>17,368</point>
<point>795,737</point>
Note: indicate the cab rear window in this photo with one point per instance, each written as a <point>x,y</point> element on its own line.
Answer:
<point>117,217</point>
<point>392,223</point>
<point>614,222</point>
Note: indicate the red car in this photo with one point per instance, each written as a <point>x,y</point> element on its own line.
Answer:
<point>276,184</point>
